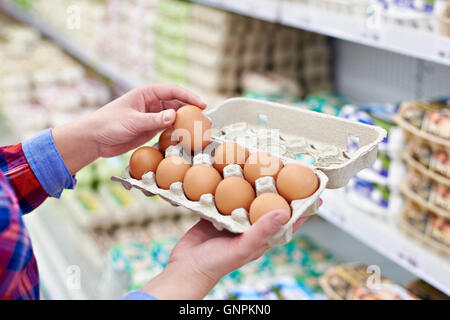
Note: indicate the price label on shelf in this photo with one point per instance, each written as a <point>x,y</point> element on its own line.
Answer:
<point>296,15</point>
<point>442,49</point>
<point>371,35</point>
<point>261,9</point>
<point>408,257</point>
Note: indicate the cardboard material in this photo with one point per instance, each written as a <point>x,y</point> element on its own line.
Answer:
<point>324,136</point>
<point>411,195</point>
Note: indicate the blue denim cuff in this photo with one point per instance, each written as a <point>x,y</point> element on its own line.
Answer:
<point>47,164</point>
<point>139,295</point>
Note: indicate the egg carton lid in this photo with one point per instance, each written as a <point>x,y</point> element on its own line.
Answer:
<point>321,131</point>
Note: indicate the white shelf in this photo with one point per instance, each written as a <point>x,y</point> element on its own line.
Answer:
<point>53,266</point>
<point>267,10</point>
<point>389,240</point>
<point>73,47</point>
<point>403,40</point>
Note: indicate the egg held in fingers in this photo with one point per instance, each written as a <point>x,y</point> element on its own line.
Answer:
<point>192,128</point>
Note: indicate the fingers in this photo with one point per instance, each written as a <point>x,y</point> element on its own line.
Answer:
<point>199,233</point>
<point>299,223</point>
<point>174,104</point>
<point>165,92</point>
<point>146,122</point>
<point>254,241</point>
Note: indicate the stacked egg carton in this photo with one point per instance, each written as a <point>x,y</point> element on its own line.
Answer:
<point>315,73</point>
<point>171,31</point>
<point>126,35</point>
<point>301,56</point>
<point>223,46</point>
<point>120,31</point>
<point>48,94</point>
<point>427,187</point>
<point>376,190</point>
<point>81,20</point>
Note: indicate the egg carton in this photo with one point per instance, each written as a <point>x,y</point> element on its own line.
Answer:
<point>238,221</point>
<point>319,133</point>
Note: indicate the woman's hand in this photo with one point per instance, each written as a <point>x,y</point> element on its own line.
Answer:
<point>122,125</point>
<point>204,255</point>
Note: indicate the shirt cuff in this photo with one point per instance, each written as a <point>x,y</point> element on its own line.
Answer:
<point>47,164</point>
<point>139,295</point>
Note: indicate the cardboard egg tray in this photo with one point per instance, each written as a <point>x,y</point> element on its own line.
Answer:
<point>412,131</point>
<point>301,132</point>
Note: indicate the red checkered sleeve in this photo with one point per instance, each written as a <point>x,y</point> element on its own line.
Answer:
<point>26,186</point>
<point>20,192</point>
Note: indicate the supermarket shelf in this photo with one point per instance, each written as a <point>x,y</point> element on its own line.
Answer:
<point>403,40</point>
<point>389,240</point>
<point>267,10</point>
<point>53,266</point>
<point>74,48</point>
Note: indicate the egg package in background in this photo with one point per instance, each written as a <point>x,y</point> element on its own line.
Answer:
<point>303,152</point>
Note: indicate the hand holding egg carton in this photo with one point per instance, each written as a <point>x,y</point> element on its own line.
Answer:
<point>280,181</point>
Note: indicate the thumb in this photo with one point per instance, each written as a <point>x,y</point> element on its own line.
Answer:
<point>254,241</point>
<point>155,121</point>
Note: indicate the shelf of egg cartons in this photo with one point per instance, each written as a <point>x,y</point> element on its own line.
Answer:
<point>395,175</point>
<point>388,239</point>
<point>351,22</point>
<point>346,20</point>
<point>435,140</point>
<point>73,47</point>
<point>221,47</point>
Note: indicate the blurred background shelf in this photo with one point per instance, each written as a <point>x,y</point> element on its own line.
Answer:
<point>389,240</point>
<point>361,28</point>
<point>73,47</point>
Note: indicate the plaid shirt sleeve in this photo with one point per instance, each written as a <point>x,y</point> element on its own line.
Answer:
<point>29,174</point>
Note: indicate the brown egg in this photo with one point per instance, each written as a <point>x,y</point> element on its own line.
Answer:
<point>171,170</point>
<point>266,203</point>
<point>230,153</point>
<point>144,160</point>
<point>192,128</point>
<point>167,139</point>
<point>296,181</point>
<point>234,193</point>
<point>199,180</point>
<point>261,164</point>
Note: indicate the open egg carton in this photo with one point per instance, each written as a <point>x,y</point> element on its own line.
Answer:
<point>314,139</point>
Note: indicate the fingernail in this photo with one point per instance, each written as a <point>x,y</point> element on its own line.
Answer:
<point>168,116</point>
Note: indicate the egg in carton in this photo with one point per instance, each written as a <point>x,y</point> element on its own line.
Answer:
<point>238,221</point>
<point>246,121</point>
